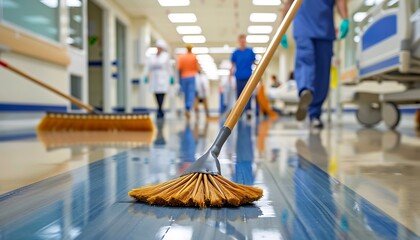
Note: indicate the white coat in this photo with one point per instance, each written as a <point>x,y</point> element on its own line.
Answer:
<point>159,69</point>
<point>202,86</point>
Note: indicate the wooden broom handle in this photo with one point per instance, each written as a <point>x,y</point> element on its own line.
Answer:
<point>52,89</point>
<point>252,83</point>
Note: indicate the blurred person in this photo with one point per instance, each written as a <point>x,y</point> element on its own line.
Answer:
<point>202,91</point>
<point>188,68</point>
<point>314,34</point>
<point>275,83</point>
<point>159,72</point>
<point>242,60</point>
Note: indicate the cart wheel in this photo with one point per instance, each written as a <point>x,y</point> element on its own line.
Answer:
<point>390,114</point>
<point>368,115</point>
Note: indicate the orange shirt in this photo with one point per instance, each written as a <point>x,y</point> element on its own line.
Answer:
<point>188,65</point>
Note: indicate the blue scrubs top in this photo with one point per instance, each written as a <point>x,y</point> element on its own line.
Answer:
<point>243,60</point>
<point>315,20</point>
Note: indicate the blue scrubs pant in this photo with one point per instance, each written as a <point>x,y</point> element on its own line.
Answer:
<point>188,87</point>
<point>312,70</point>
<point>240,85</point>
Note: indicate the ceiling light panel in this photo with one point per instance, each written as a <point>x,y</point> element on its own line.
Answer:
<point>260,29</point>
<point>200,50</point>
<point>263,17</point>
<point>188,29</point>
<point>174,3</point>
<point>257,38</point>
<point>182,17</point>
<point>194,39</point>
<point>266,2</point>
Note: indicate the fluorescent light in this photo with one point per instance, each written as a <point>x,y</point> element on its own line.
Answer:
<point>260,29</point>
<point>174,3</point>
<point>194,39</point>
<point>392,2</point>
<point>259,50</point>
<point>266,2</point>
<point>204,57</point>
<point>77,18</point>
<point>372,2</point>
<point>180,50</point>
<point>70,40</point>
<point>73,3</point>
<point>257,38</point>
<point>36,19</point>
<point>222,49</point>
<point>182,17</point>
<point>50,3</point>
<point>188,29</point>
<point>263,17</point>
<point>200,50</point>
<point>359,16</point>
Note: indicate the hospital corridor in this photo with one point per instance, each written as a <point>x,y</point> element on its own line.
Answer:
<point>210,119</point>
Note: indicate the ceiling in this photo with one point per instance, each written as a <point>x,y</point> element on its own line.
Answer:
<point>221,21</point>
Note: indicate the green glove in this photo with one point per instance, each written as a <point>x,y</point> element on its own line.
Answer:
<point>344,28</point>
<point>283,42</point>
<point>172,80</point>
<point>146,80</point>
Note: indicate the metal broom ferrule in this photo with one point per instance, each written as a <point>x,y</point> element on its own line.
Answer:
<point>208,163</point>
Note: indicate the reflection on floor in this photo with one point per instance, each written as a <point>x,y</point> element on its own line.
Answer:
<point>342,183</point>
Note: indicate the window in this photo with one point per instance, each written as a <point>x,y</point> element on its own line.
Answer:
<point>38,16</point>
<point>75,89</point>
<point>75,37</point>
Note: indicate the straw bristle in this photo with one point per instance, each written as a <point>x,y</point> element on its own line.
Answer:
<point>197,190</point>
<point>95,122</point>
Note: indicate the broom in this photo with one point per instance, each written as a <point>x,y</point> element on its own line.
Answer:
<point>202,185</point>
<point>92,121</point>
<point>54,140</point>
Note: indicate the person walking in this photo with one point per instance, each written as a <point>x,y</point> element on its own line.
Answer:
<point>314,34</point>
<point>159,72</point>
<point>242,60</point>
<point>188,68</point>
<point>202,92</point>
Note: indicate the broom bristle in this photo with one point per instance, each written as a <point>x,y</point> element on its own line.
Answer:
<point>95,122</point>
<point>197,190</point>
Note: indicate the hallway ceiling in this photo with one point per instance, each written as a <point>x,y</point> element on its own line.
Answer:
<point>221,21</point>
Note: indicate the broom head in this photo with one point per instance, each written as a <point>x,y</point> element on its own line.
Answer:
<point>197,190</point>
<point>201,186</point>
<point>95,122</point>
<point>124,139</point>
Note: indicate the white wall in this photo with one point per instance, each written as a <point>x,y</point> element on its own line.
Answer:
<point>16,89</point>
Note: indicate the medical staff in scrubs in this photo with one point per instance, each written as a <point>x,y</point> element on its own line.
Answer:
<point>242,60</point>
<point>314,34</point>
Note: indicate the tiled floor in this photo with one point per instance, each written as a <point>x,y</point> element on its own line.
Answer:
<point>345,182</point>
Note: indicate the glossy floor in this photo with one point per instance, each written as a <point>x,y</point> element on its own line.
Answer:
<point>342,183</point>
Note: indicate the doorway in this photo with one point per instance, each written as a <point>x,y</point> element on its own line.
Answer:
<point>121,75</point>
<point>95,55</point>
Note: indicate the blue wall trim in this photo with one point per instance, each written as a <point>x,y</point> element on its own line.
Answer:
<point>17,107</point>
<point>95,63</point>
<point>379,31</point>
<point>17,136</point>
<point>395,61</point>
